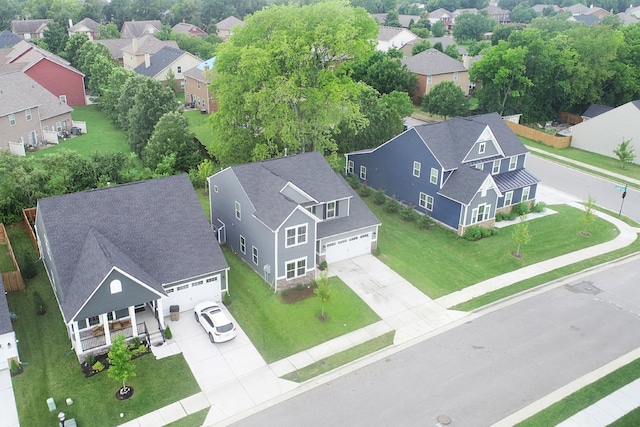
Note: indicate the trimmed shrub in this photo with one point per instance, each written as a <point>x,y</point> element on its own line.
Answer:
<point>499,216</point>
<point>90,359</point>
<point>408,213</point>
<point>353,181</point>
<point>476,233</point>
<point>27,263</point>
<point>392,205</point>
<point>520,209</point>
<point>379,198</point>
<point>323,266</point>
<point>168,334</point>
<point>365,191</point>
<point>98,366</point>
<point>135,342</point>
<point>425,222</point>
<point>14,366</point>
<point>539,207</point>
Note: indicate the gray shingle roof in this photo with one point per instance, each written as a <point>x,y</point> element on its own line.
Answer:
<point>133,29</point>
<point>432,62</point>
<point>85,23</point>
<point>8,39</point>
<point>186,28</point>
<point>147,44</point>
<point>229,23</point>
<point>5,319</point>
<point>515,179</point>
<point>451,140</point>
<point>263,181</point>
<point>198,72</point>
<point>463,184</point>
<point>30,26</point>
<point>388,33</point>
<point>115,46</point>
<point>162,59</point>
<point>19,92</point>
<point>154,229</point>
<point>595,110</point>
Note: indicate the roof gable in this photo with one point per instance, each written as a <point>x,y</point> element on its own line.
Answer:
<point>487,138</point>
<point>19,92</point>
<point>229,23</point>
<point>133,29</point>
<point>432,62</point>
<point>160,61</point>
<point>29,26</point>
<point>8,39</point>
<point>464,183</point>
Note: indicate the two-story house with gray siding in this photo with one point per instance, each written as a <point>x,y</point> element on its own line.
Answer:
<point>114,251</point>
<point>460,172</point>
<point>285,216</point>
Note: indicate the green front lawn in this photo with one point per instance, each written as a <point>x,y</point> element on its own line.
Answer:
<point>279,330</point>
<point>52,370</point>
<point>586,397</point>
<point>102,135</point>
<point>199,124</point>
<point>439,262</point>
<point>610,164</point>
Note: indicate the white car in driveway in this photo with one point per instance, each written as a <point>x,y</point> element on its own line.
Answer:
<point>214,321</point>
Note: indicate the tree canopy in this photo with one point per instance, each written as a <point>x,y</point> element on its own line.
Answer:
<point>445,99</point>
<point>277,83</point>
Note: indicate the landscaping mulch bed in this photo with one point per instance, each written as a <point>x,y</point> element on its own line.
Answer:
<point>88,370</point>
<point>292,296</point>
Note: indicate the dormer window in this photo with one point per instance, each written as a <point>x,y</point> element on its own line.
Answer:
<point>331,210</point>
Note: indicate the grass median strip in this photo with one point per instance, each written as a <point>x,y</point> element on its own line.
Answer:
<point>524,285</point>
<point>335,361</point>
<point>195,419</point>
<point>585,397</point>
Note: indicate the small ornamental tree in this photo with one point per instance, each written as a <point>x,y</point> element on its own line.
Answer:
<point>521,235</point>
<point>323,291</point>
<point>445,99</point>
<point>589,216</point>
<point>121,368</point>
<point>625,152</point>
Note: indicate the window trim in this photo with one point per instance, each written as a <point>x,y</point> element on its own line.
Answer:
<point>243,244</point>
<point>12,119</point>
<point>476,211</point>
<point>63,99</point>
<point>455,76</point>
<point>416,169</point>
<point>254,255</point>
<point>350,167</point>
<point>425,201</point>
<point>27,114</point>
<point>429,79</point>
<point>297,241</point>
<point>495,167</point>
<point>482,147</point>
<point>433,177</point>
<point>508,196</point>
<point>528,192</point>
<point>332,210</point>
<point>296,268</point>
<point>238,211</point>
<point>363,172</point>
<point>513,163</point>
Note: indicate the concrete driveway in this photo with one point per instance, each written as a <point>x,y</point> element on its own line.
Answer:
<point>8,401</point>
<point>401,305</point>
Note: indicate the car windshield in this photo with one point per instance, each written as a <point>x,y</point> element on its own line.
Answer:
<point>224,328</point>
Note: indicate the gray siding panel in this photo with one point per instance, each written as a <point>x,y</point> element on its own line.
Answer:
<point>45,250</point>
<point>103,301</point>
<point>295,252</point>
<point>491,198</point>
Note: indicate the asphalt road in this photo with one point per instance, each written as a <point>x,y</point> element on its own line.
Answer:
<point>581,184</point>
<point>484,370</point>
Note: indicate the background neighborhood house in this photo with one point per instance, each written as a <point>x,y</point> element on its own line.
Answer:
<point>139,50</point>
<point>285,216</point>
<point>603,133</point>
<point>112,251</point>
<point>460,172</point>
<point>28,112</point>
<point>224,28</point>
<point>433,67</point>
<point>392,37</point>
<point>30,28</point>
<point>8,346</point>
<point>87,26</point>
<point>196,86</point>
<point>168,58</point>
<point>135,29</point>
<point>190,29</point>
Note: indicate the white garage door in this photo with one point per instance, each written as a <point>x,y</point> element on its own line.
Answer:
<point>348,248</point>
<point>187,295</point>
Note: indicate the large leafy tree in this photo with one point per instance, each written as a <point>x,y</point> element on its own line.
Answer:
<point>276,80</point>
<point>445,99</point>
<point>74,44</point>
<point>9,10</point>
<point>472,26</point>
<point>108,31</point>
<point>171,135</point>
<point>111,91</point>
<point>502,72</point>
<point>55,36</point>
<point>385,72</point>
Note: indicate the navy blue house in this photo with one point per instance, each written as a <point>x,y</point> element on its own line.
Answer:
<point>460,172</point>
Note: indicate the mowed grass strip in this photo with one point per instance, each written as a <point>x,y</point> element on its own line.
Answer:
<point>52,370</point>
<point>279,330</point>
<point>438,262</point>
<point>586,397</point>
<point>199,124</point>
<point>102,135</point>
<point>332,362</point>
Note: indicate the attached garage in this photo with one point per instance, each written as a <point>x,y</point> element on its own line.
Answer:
<point>187,295</point>
<point>349,247</point>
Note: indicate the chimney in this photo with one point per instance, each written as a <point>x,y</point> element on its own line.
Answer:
<point>147,60</point>
<point>70,23</point>
<point>206,67</point>
<point>135,45</point>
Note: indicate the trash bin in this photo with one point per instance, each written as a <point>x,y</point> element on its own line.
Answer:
<point>175,312</point>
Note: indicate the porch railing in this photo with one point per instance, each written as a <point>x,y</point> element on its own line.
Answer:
<point>91,340</point>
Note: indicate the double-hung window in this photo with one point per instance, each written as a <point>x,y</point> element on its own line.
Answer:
<point>508,198</point>
<point>27,114</point>
<point>363,173</point>
<point>426,201</point>
<point>525,194</point>
<point>513,162</point>
<point>243,245</point>
<point>482,147</point>
<point>481,213</point>
<point>350,167</point>
<point>12,119</point>
<point>416,169</point>
<point>254,254</point>
<point>331,210</point>
<point>296,268</point>
<point>496,167</point>
<point>433,178</point>
<point>296,235</point>
<point>238,211</point>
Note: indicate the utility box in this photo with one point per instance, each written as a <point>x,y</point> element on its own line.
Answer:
<point>174,310</point>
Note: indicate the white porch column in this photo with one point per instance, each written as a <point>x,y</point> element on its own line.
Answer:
<point>132,316</point>
<point>160,309</point>
<point>105,326</point>
<point>76,334</point>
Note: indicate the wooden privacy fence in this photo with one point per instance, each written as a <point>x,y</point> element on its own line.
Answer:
<point>29,219</point>
<point>536,135</point>
<point>571,119</point>
<point>12,280</point>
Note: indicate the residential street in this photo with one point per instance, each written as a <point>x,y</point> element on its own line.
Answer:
<point>580,184</point>
<point>487,368</point>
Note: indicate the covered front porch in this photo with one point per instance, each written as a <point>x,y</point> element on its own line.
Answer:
<point>140,321</point>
